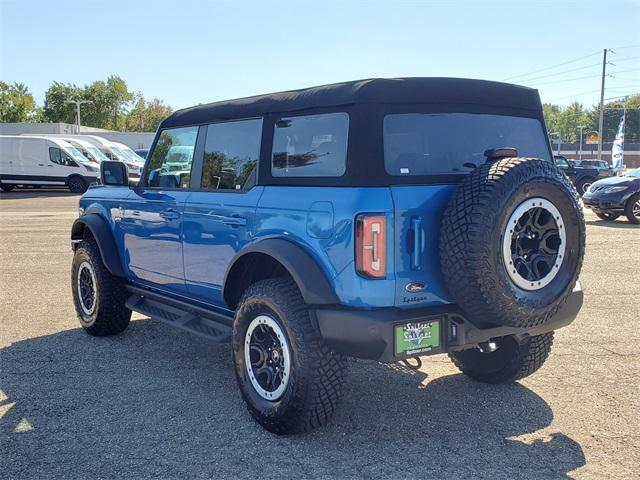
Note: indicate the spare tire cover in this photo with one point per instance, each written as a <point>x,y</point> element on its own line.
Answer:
<point>512,242</point>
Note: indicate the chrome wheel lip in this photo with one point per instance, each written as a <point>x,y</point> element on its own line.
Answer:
<point>269,322</point>
<point>586,186</point>
<point>514,275</point>
<point>87,268</point>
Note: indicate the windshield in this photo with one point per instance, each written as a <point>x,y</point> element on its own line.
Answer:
<point>634,173</point>
<point>442,143</point>
<point>120,154</point>
<point>97,154</point>
<point>76,155</point>
<point>131,154</point>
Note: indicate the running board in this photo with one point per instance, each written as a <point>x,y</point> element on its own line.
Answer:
<point>205,323</point>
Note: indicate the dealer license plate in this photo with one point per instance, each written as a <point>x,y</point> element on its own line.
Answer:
<point>416,338</point>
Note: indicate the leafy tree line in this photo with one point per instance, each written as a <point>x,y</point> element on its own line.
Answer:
<point>112,105</point>
<point>567,120</point>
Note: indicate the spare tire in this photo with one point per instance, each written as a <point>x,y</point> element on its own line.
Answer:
<point>512,242</point>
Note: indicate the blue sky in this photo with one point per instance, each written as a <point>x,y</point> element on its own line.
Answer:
<point>200,51</point>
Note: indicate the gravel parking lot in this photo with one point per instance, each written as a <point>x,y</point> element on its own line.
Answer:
<point>158,402</point>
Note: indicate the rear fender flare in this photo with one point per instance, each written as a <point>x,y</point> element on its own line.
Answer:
<point>104,238</point>
<point>303,268</point>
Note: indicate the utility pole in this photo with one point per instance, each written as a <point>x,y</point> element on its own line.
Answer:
<point>77,103</point>
<point>581,127</point>
<point>601,121</point>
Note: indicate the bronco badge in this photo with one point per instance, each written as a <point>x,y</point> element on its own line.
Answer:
<point>415,287</point>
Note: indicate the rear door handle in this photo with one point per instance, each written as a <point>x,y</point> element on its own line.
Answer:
<point>170,214</point>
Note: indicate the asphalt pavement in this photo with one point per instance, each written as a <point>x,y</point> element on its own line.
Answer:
<point>158,402</point>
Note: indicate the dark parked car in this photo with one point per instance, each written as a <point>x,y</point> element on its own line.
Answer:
<point>611,197</point>
<point>142,152</point>
<point>582,177</point>
<point>599,164</point>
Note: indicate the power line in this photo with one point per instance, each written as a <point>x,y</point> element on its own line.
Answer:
<point>566,80</point>
<point>527,80</point>
<point>551,67</point>
<point>572,95</point>
<point>636,45</point>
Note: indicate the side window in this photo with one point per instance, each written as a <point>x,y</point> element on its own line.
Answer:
<point>170,162</point>
<point>231,155</point>
<point>310,146</point>
<point>55,155</point>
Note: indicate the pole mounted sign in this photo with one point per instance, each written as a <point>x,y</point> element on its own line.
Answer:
<point>617,149</point>
<point>591,138</point>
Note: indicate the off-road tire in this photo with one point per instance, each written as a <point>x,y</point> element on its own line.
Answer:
<point>110,316</point>
<point>77,185</point>
<point>584,183</point>
<point>7,187</point>
<point>607,216</point>
<point>317,373</point>
<point>472,237</point>
<point>628,208</point>
<point>513,360</point>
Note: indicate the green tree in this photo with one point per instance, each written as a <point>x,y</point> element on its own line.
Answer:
<point>108,101</point>
<point>17,104</point>
<point>55,107</point>
<point>565,120</point>
<point>146,116</point>
<point>612,113</point>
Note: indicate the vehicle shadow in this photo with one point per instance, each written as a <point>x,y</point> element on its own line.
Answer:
<point>619,223</point>
<point>156,402</point>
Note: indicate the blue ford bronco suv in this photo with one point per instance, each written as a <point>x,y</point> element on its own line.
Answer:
<point>382,219</point>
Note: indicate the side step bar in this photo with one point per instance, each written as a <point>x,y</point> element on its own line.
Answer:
<point>205,323</point>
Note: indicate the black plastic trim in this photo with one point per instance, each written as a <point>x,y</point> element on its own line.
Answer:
<point>369,334</point>
<point>103,237</point>
<point>303,268</point>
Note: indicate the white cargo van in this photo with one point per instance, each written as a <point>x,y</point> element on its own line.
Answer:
<point>107,148</point>
<point>28,161</point>
<point>129,152</point>
<point>90,151</point>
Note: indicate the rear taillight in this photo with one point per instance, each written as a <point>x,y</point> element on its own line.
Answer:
<point>371,245</point>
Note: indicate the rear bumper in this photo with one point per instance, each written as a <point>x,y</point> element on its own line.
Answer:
<point>369,334</point>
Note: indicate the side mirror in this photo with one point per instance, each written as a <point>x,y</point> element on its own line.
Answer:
<point>113,173</point>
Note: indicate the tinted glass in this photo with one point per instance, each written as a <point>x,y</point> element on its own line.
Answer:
<point>310,146</point>
<point>170,162</point>
<point>231,155</point>
<point>55,155</point>
<point>433,144</point>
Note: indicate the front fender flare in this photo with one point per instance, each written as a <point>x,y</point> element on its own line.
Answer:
<point>303,268</point>
<point>103,237</point>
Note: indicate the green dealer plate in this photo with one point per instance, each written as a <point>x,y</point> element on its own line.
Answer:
<point>418,337</point>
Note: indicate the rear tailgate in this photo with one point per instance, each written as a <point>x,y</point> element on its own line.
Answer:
<point>418,214</point>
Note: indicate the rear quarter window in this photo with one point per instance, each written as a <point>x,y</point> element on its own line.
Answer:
<point>442,143</point>
<point>310,146</point>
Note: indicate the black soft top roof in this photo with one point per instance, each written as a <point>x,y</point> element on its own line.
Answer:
<point>418,90</point>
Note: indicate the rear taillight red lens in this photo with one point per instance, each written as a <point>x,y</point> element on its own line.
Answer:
<point>371,245</point>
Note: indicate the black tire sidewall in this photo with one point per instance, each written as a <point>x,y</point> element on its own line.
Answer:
<point>264,410</point>
<point>581,184</point>
<point>568,272</point>
<point>77,185</point>
<point>84,253</point>
<point>471,239</point>
<point>628,209</point>
<point>260,405</point>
